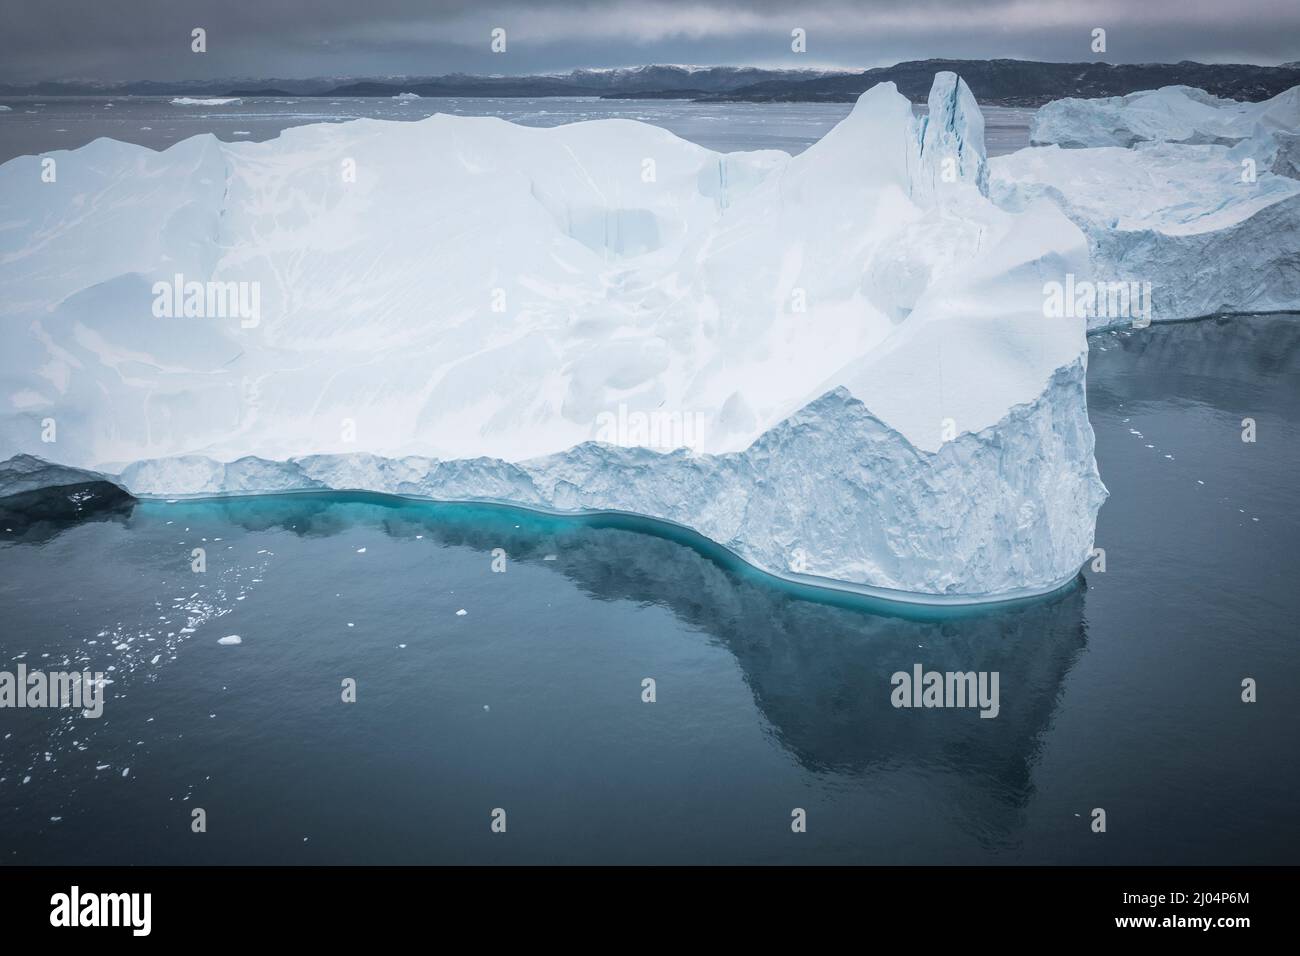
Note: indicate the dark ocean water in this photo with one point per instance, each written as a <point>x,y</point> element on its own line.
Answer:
<point>1121,693</point>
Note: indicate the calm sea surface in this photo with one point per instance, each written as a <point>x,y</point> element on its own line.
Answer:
<point>522,690</point>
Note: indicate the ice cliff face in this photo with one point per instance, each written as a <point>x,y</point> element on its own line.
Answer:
<point>837,365</point>
<point>1198,198</point>
<point>831,493</point>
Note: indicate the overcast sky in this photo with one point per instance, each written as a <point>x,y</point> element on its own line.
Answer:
<point>150,39</point>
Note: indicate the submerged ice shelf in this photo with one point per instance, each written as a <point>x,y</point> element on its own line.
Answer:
<point>839,361</point>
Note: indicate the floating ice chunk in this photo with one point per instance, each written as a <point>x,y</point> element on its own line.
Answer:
<point>231,639</point>
<point>206,101</point>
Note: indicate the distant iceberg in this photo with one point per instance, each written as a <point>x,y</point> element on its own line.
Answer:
<point>407,96</point>
<point>1197,196</point>
<point>207,101</point>
<point>1171,114</point>
<point>837,365</point>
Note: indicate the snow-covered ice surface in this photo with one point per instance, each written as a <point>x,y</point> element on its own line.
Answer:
<point>839,359</point>
<point>1196,195</point>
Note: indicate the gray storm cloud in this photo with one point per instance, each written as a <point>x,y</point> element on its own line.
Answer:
<point>150,39</point>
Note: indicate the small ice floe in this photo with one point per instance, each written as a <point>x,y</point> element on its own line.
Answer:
<point>230,639</point>
<point>206,101</point>
<point>125,771</point>
<point>27,779</point>
<point>55,819</point>
<point>486,707</point>
<point>402,646</point>
<point>361,550</point>
<point>551,557</point>
<point>462,612</point>
<point>103,766</point>
<point>241,132</point>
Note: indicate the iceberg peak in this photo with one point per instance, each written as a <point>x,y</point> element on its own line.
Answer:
<point>952,136</point>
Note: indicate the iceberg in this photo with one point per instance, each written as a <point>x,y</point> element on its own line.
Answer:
<point>1171,114</point>
<point>206,101</point>
<point>1191,180</point>
<point>836,365</point>
<point>33,489</point>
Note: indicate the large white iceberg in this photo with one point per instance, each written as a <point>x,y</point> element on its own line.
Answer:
<point>836,365</point>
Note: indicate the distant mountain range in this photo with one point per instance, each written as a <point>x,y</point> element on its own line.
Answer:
<point>1000,82</point>
<point>633,80</point>
<point>1029,83</point>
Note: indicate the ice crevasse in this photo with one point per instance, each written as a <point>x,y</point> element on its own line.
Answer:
<point>836,365</point>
